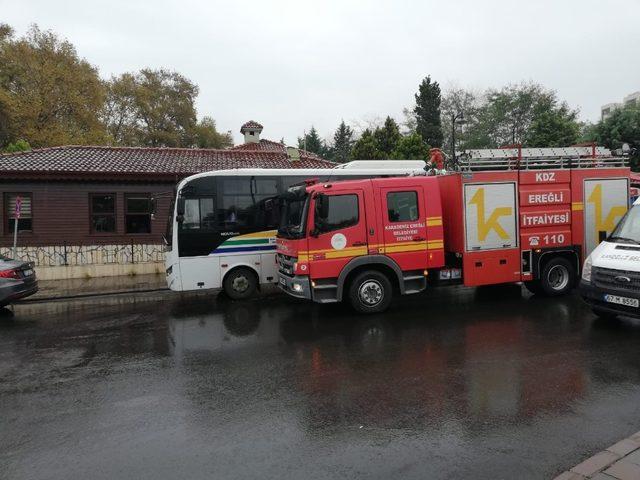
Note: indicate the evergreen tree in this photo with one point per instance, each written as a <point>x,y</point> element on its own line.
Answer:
<point>427,110</point>
<point>311,142</point>
<point>387,137</point>
<point>342,143</point>
<point>366,147</point>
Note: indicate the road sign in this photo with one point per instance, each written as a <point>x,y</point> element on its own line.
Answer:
<point>18,209</point>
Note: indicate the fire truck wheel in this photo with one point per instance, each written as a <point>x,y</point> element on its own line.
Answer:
<point>370,292</point>
<point>240,283</point>
<point>558,277</point>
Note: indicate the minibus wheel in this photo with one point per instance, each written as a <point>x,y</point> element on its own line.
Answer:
<point>240,283</point>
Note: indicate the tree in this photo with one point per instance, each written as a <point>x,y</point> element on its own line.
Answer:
<point>622,126</point>
<point>411,147</point>
<point>554,124</point>
<point>410,122</point>
<point>18,146</point>
<point>342,143</point>
<point>427,111</point>
<point>154,108</point>
<point>525,113</point>
<point>311,142</point>
<point>49,95</point>
<point>462,104</point>
<point>387,137</point>
<point>366,147</point>
<point>207,136</point>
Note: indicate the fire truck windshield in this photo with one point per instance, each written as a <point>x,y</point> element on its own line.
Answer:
<point>293,208</point>
<point>628,230</point>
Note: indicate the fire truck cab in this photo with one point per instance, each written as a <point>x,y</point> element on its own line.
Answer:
<point>509,215</point>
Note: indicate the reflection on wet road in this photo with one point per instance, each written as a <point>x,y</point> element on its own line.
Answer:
<point>457,383</point>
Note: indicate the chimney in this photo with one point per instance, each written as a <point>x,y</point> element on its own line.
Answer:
<point>293,154</point>
<point>251,131</point>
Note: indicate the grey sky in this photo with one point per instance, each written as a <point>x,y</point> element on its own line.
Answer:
<point>290,64</point>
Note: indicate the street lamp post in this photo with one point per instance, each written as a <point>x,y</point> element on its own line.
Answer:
<point>458,118</point>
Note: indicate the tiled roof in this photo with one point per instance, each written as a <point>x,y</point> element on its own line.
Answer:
<point>148,163</point>
<point>263,146</point>
<point>250,124</point>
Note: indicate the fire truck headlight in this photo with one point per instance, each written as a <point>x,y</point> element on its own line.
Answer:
<point>296,287</point>
<point>586,269</point>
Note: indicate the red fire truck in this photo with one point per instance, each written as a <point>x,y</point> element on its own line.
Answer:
<point>509,215</point>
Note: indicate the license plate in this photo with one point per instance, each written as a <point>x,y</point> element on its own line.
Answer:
<point>283,282</point>
<point>627,302</point>
<point>28,272</point>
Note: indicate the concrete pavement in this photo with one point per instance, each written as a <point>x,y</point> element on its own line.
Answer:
<point>83,287</point>
<point>621,461</point>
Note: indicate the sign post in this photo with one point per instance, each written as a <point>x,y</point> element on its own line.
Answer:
<point>16,217</point>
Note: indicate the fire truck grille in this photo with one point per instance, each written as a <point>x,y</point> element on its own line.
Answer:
<point>616,279</point>
<point>285,264</point>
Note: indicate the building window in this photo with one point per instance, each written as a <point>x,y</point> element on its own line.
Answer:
<point>103,212</point>
<point>138,213</point>
<point>402,206</point>
<point>25,221</point>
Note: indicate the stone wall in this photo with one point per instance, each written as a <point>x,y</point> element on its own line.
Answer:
<point>87,261</point>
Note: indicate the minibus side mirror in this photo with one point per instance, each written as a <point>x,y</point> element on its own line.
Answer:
<point>180,209</point>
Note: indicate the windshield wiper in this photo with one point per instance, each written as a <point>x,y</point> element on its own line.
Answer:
<point>624,239</point>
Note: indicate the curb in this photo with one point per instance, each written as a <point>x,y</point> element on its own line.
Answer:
<point>88,295</point>
<point>621,461</point>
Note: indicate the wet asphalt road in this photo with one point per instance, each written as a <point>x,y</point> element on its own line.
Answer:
<point>457,383</point>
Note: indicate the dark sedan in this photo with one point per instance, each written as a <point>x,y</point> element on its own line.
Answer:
<point>17,280</point>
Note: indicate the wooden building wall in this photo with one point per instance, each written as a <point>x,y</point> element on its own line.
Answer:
<point>61,212</point>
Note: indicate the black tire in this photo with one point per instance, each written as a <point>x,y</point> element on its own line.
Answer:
<point>604,315</point>
<point>240,283</point>
<point>558,277</point>
<point>370,292</point>
<point>533,286</point>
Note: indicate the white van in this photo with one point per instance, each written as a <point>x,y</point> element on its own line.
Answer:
<point>611,274</point>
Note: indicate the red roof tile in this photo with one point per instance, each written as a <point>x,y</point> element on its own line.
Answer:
<point>149,163</point>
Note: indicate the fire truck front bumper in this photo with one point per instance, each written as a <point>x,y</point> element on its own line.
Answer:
<point>296,286</point>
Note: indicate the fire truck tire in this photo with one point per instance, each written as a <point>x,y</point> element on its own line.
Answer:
<point>240,283</point>
<point>558,277</point>
<point>370,292</point>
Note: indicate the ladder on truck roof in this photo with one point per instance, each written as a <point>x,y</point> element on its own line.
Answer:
<point>518,158</point>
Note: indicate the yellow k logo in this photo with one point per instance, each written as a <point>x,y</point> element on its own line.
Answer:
<point>493,223</point>
<point>609,223</point>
